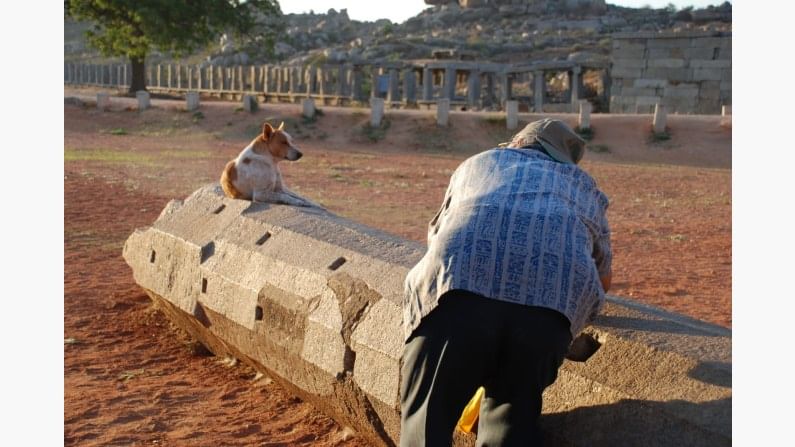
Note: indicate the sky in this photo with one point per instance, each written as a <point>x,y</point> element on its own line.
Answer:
<point>399,11</point>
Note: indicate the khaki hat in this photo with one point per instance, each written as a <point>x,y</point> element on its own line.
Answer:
<point>562,143</point>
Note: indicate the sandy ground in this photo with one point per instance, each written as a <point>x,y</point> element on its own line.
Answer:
<point>130,378</point>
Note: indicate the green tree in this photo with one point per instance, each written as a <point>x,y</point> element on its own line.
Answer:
<point>132,28</point>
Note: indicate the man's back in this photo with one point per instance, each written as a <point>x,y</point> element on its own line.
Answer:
<point>516,226</point>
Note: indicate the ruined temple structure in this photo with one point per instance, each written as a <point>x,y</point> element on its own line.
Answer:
<point>688,72</point>
<point>315,302</point>
<point>594,6</point>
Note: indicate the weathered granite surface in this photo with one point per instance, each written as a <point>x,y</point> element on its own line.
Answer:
<point>314,301</point>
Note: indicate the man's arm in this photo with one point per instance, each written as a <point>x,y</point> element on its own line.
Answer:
<point>433,225</point>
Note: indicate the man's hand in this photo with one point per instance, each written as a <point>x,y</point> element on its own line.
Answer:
<point>606,280</point>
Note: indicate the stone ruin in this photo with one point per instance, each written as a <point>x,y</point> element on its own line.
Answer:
<point>314,301</point>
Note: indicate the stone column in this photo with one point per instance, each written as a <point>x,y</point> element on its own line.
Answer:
<point>505,95</point>
<point>192,101</point>
<point>376,111</point>
<point>189,75</point>
<point>278,79</point>
<point>409,86</point>
<point>266,79</point>
<point>374,82</point>
<point>168,76</point>
<point>103,101</point>
<point>427,84</point>
<point>356,84</point>
<point>442,112</point>
<point>308,108</point>
<point>726,115</point>
<point>585,115</point>
<point>574,84</point>
<point>253,75</point>
<point>199,83</point>
<point>241,80</point>
<point>311,80</point>
<point>538,91</point>
<point>293,81</point>
<point>233,82</point>
<point>126,70</point>
<point>660,118</point>
<point>321,83</point>
<point>448,90</point>
<point>473,88</point>
<point>490,95</point>
<point>143,99</point>
<point>159,75</point>
<point>340,82</point>
<point>250,103</point>
<point>286,79</point>
<point>120,75</point>
<point>393,93</point>
<point>512,114</point>
<point>210,76</point>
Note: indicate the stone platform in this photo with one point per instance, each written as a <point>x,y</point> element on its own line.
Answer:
<point>314,301</point>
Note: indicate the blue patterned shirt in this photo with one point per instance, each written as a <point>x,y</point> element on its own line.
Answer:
<point>516,226</point>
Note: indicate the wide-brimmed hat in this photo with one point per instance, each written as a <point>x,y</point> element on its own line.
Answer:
<point>562,143</point>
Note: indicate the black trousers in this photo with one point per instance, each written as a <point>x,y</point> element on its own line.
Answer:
<point>513,351</point>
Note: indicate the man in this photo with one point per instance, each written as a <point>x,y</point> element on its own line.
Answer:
<point>518,263</point>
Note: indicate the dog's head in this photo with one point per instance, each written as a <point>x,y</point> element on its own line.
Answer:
<point>276,142</point>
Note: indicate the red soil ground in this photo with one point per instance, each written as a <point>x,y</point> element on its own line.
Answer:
<point>131,378</point>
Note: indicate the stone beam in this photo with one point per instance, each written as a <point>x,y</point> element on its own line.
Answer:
<point>314,301</point>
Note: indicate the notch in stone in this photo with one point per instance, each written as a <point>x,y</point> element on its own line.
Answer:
<point>204,285</point>
<point>219,209</point>
<point>258,314</point>
<point>264,238</point>
<point>337,263</point>
<point>152,257</point>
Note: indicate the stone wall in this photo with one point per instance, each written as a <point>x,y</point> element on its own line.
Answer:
<point>686,72</point>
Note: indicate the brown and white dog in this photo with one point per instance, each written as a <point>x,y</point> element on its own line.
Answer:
<point>255,175</point>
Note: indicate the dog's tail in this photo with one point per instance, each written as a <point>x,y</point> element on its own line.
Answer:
<point>228,177</point>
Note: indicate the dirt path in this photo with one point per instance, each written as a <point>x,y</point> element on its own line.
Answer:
<point>130,378</point>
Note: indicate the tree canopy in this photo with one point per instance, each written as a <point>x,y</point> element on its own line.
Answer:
<point>132,28</point>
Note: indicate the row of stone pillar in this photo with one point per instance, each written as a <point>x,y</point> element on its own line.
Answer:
<point>96,74</point>
<point>339,81</point>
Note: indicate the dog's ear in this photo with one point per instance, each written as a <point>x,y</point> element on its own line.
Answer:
<point>267,131</point>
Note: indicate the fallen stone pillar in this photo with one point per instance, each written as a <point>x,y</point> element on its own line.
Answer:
<point>584,120</point>
<point>192,101</point>
<point>660,118</point>
<point>442,112</point>
<point>376,111</point>
<point>314,301</point>
<point>143,99</point>
<point>512,114</point>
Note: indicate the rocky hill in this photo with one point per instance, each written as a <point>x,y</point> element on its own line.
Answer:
<point>495,30</point>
